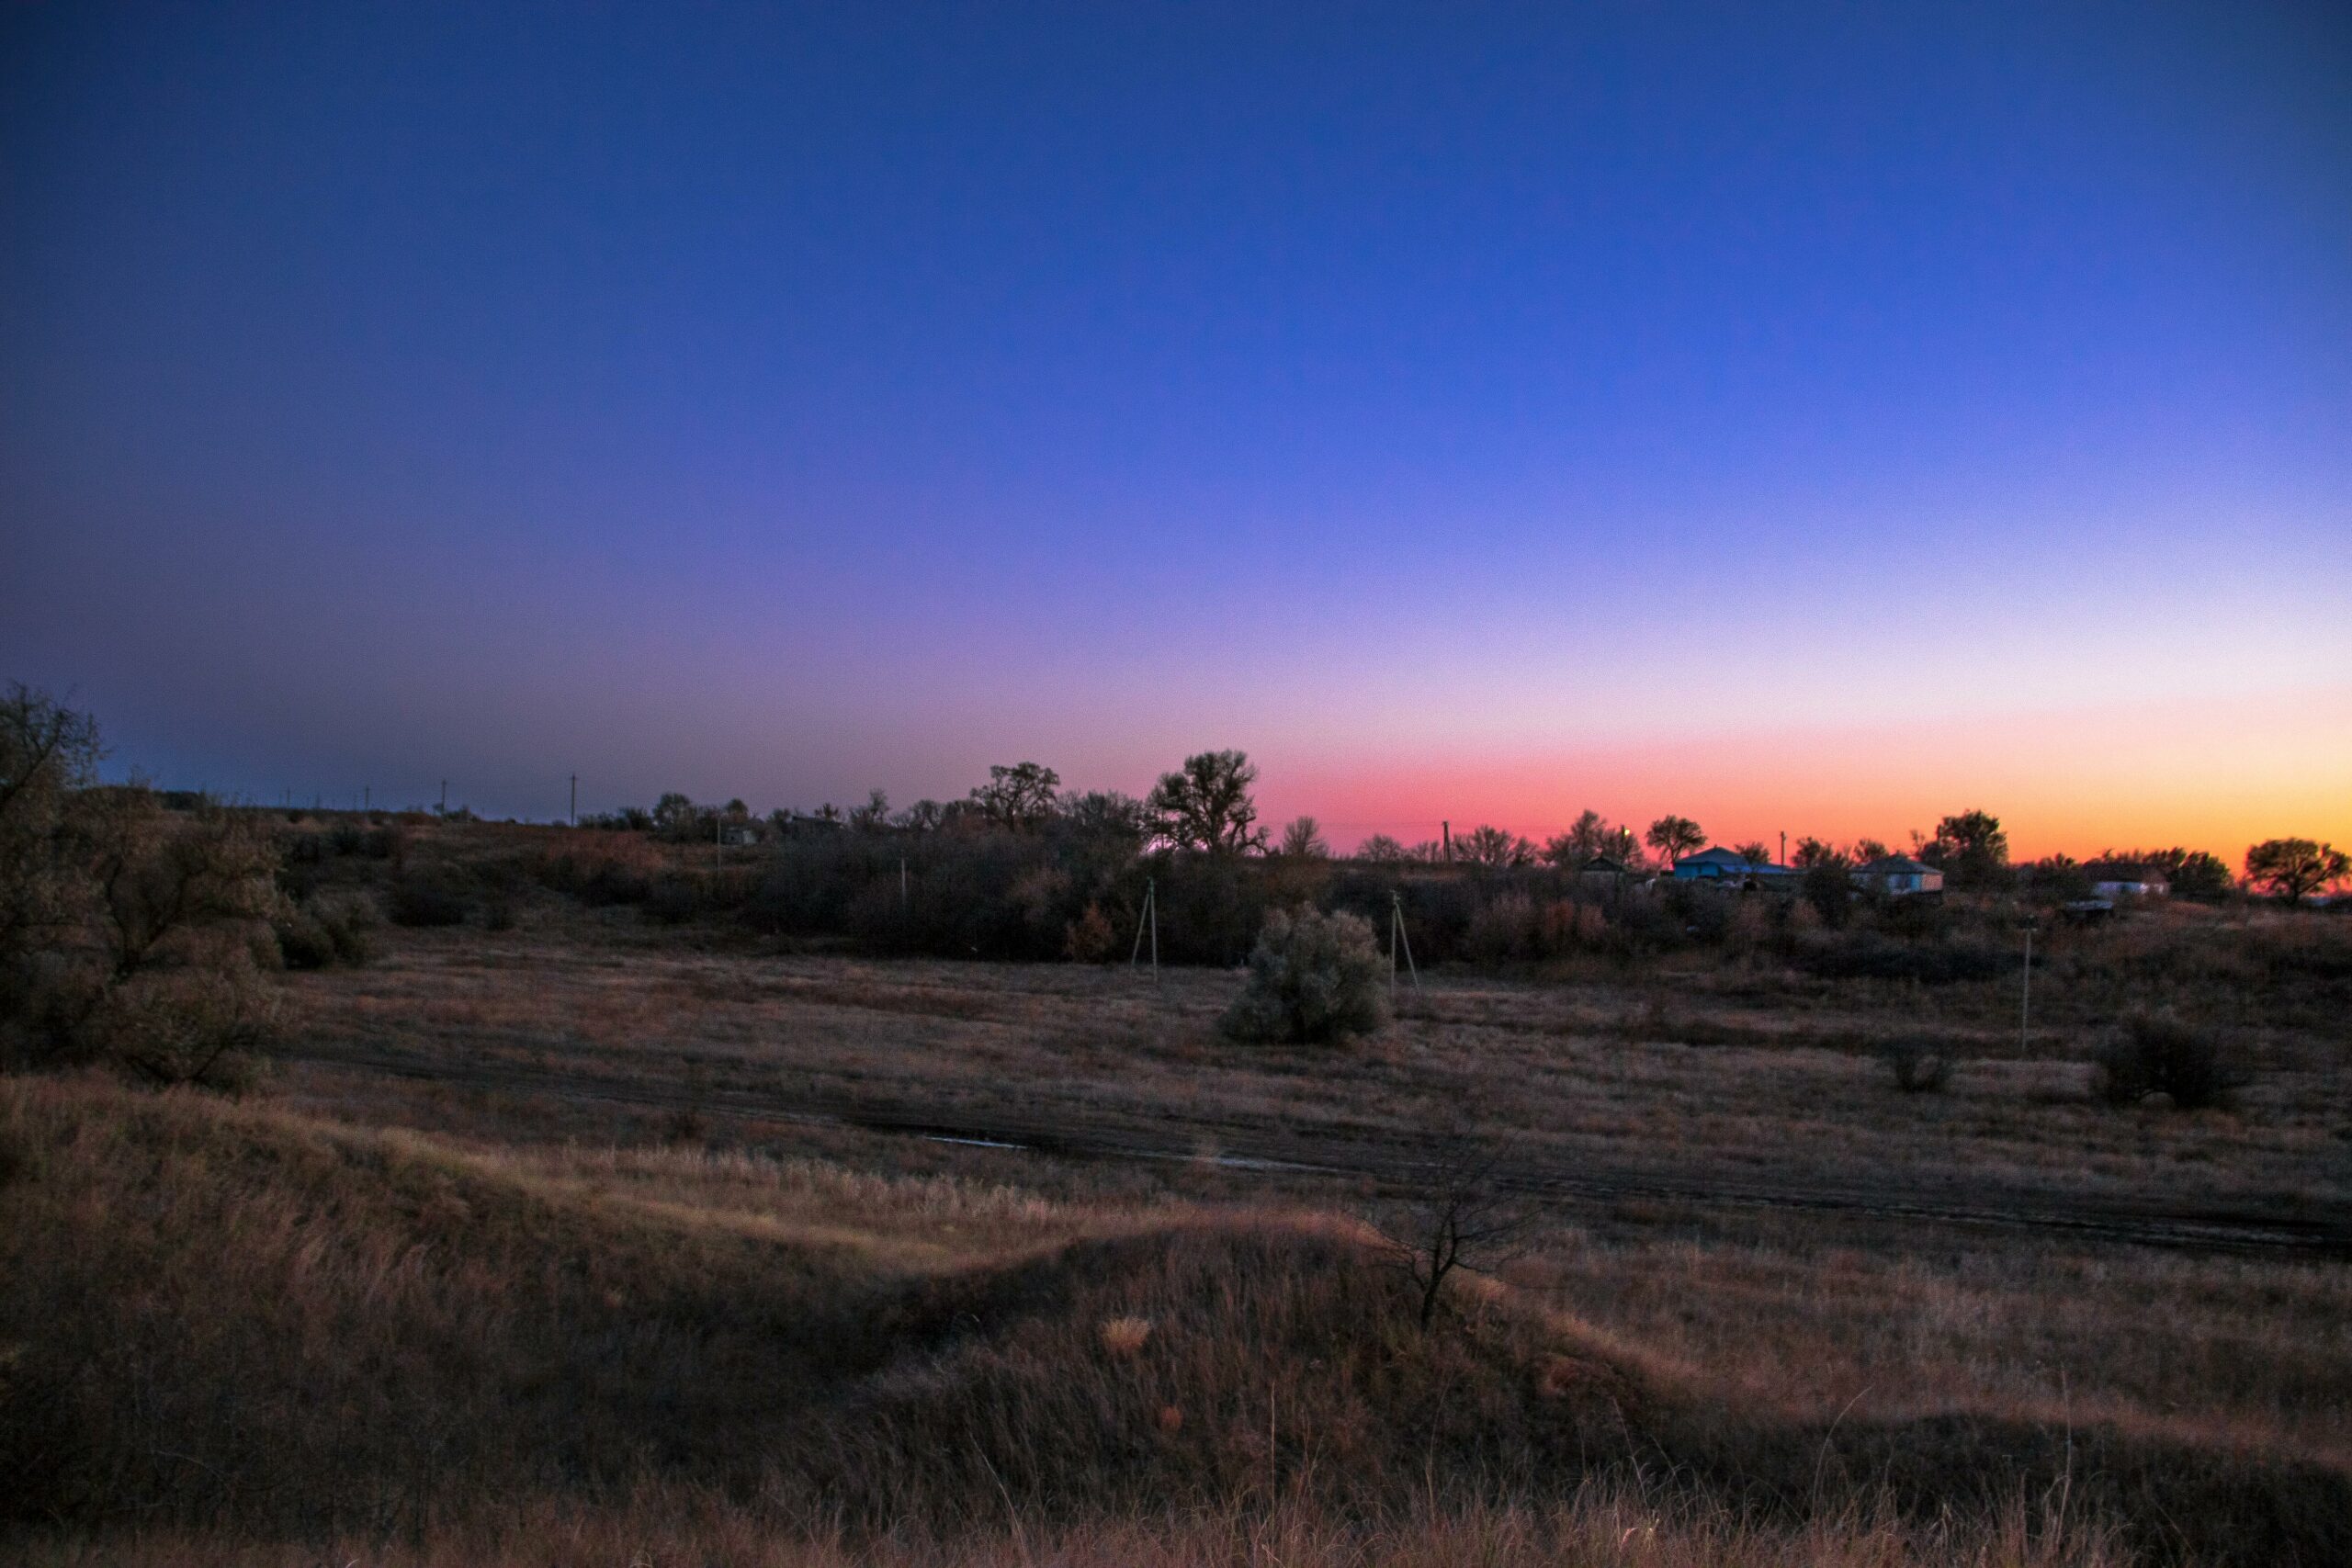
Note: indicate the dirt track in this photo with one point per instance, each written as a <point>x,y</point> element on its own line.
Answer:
<point>1309,1152</point>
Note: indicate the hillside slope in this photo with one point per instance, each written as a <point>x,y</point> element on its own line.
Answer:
<point>228,1319</point>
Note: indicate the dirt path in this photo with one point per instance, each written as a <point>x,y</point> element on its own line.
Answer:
<point>1326,1151</point>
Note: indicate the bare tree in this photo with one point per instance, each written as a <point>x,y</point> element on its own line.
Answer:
<point>1592,834</point>
<point>1019,797</point>
<point>922,817</point>
<point>1456,1212</point>
<point>1303,839</point>
<point>48,753</point>
<point>1105,815</point>
<point>1206,805</point>
<point>1674,837</point>
<point>874,816</point>
<point>1492,846</point>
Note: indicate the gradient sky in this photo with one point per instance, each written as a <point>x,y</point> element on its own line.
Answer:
<point>1814,419</point>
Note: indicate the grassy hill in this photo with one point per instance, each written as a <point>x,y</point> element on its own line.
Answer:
<point>225,1324</point>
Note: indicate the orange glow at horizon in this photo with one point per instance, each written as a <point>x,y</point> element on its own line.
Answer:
<point>2206,774</point>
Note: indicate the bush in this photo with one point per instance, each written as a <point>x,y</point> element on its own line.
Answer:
<point>1090,938</point>
<point>1918,1067</point>
<point>195,1026</point>
<point>2157,1055</point>
<point>327,930</point>
<point>673,899</point>
<point>423,901</point>
<point>1313,978</point>
<point>302,940</point>
<point>1868,955</point>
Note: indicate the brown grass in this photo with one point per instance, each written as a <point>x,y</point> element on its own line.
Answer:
<point>227,1319</point>
<point>531,1253</point>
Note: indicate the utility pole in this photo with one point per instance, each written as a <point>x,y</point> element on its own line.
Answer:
<point>575,800</point>
<point>1784,846</point>
<point>1395,935</point>
<point>445,798</point>
<point>2025,989</point>
<point>1445,830</point>
<point>1148,921</point>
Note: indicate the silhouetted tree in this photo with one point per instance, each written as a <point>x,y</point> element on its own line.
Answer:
<point>1018,797</point>
<point>1755,852</point>
<point>1207,805</point>
<point>1829,883</point>
<point>1674,837</point>
<point>874,816</point>
<point>1303,839</point>
<point>2294,869</point>
<point>1491,846</point>
<point>1812,852</point>
<point>2198,874</point>
<point>922,817</point>
<point>1592,834</point>
<point>1382,850</point>
<point>1969,848</point>
<point>675,813</point>
<point>2059,878</point>
<point>1105,814</point>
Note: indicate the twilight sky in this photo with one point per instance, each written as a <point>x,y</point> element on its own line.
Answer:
<point>1816,419</point>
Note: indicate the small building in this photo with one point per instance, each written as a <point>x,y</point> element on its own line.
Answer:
<point>1729,868</point>
<point>1898,876</point>
<point>2128,882</point>
<point>1604,868</point>
<point>1717,864</point>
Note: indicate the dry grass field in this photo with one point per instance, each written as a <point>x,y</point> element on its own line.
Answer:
<point>594,1240</point>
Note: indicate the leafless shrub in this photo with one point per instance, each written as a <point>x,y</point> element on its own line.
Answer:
<point>1455,1211</point>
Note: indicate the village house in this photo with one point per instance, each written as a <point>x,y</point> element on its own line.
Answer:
<point>1729,868</point>
<point>2114,881</point>
<point>1717,864</point>
<point>1898,877</point>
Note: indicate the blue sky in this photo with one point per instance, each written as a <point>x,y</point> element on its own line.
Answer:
<point>777,402</point>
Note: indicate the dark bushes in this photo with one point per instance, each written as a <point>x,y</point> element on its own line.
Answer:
<point>128,930</point>
<point>2156,1054</point>
<point>424,901</point>
<point>1917,1066</point>
<point>1860,956</point>
<point>325,931</point>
